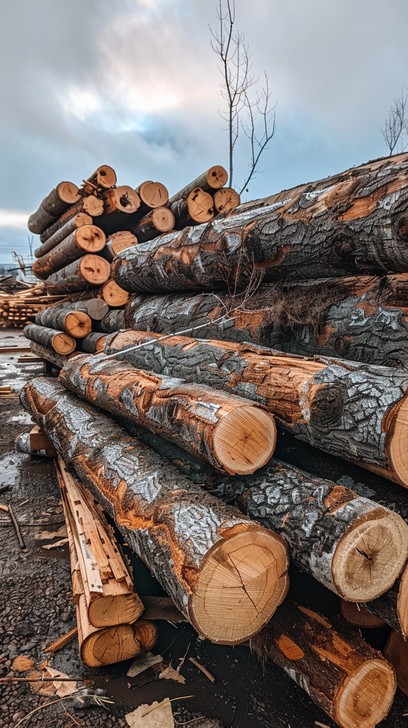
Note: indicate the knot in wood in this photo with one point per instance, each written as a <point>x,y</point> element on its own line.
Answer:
<point>326,407</point>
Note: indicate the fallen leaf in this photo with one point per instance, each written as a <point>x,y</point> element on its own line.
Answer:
<point>62,687</point>
<point>55,545</point>
<point>39,687</point>
<point>169,673</point>
<point>156,715</point>
<point>143,663</point>
<point>22,663</point>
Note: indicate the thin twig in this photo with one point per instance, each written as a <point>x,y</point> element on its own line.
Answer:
<point>203,669</point>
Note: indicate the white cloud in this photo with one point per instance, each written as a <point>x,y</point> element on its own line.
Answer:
<point>13,219</point>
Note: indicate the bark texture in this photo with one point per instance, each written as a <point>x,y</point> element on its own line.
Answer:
<point>90,270</point>
<point>48,354</point>
<point>191,415</point>
<point>92,343</point>
<point>87,239</point>
<point>57,201</point>
<point>61,231</point>
<point>76,323</point>
<point>341,673</point>
<point>94,307</point>
<point>172,525</point>
<point>354,222</point>
<point>355,411</point>
<point>60,342</point>
<point>113,321</point>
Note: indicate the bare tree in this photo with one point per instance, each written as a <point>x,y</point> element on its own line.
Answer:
<point>251,114</point>
<point>395,129</point>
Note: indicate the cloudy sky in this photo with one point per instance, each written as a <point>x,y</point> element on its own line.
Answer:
<point>134,84</point>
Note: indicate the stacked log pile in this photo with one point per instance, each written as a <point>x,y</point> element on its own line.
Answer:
<point>20,308</point>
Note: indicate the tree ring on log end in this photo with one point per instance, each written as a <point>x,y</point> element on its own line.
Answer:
<point>78,324</point>
<point>242,581</point>
<point>397,441</point>
<point>244,440</point>
<point>370,556</point>
<point>110,645</point>
<point>112,610</point>
<point>366,696</point>
<point>63,344</point>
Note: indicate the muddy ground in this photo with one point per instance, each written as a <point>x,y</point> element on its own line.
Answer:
<point>36,608</point>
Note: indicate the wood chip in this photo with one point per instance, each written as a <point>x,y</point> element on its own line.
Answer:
<point>55,545</point>
<point>22,663</point>
<point>143,663</point>
<point>156,715</point>
<point>62,641</point>
<point>169,673</point>
<point>62,688</point>
<point>49,535</point>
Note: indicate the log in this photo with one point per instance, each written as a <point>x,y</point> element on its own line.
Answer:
<point>358,616</point>
<point>113,321</point>
<point>90,204</point>
<point>96,308</point>
<point>112,294</point>
<point>157,221</point>
<point>119,204</point>
<point>227,431</point>
<point>86,239</point>
<point>340,672</point>
<point>226,200</point>
<point>396,652</point>
<point>203,552</point>
<point>340,406</point>
<point>58,341</point>
<point>47,353</point>
<point>196,208</point>
<point>92,343</point>
<point>213,179</point>
<point>392,607</point>
<point>348,224</point>
<point>62,232</point>
<point>119,241</point>
<point>63,196</point>
<point>76,323</point>
<point>104,177</point>
<point>152,195</point>
<point>97,567</point>
<point>35,443</point>
<point>90,270</point>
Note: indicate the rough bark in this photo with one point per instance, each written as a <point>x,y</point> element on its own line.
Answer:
<point>196,208</point>
<point>92,343</point>
<point>355,411</point>
<point>60,342</point>
<point>113,321</point>
<point>87,239</point>
<point>184,535</point>
<point>352,223</point>
<point>226,200</point>
<point>156,222</point>
<point>76,323</point>
<point>96,308</point>
<point>60,232</point>
<point>227,431</point>
<point>213,179</point>
<point>57,201</point>
<point>119,241</point>
<point>48,354</point>
<point>90,270</point>
<point>341,673</point>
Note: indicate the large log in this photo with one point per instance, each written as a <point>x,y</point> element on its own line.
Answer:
<point>213,179</point>
<point>113,321</point>
<point>225,573</point>
<point>58,341</point>
<point>86,239</point>
<point>355,222</point>
<point>158,221</point>
<point>196,208</point>
<point>340,406</point>
<point>90,270</point>
<point>76,323</point>
<point>96,308</point>
<point>227,431</point>
<point>340,672</point>
<point>57,201</point>
<point>61,232</point>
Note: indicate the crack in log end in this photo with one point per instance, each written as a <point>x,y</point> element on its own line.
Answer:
<point>363,553</point>
<point>366,696</point>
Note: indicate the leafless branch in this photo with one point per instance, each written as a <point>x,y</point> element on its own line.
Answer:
<point>395,129</point>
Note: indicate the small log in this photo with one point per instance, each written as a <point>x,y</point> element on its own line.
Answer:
<point>358,616</point>
<point>57,201</point>
<point>120,203</point>
<point>76,323</point>
<point>152,195</point>
<point>156,222</point>
<point>392,607</point>
<point>203,552</point>
<point>226,199</point>
<point>92,343</point>
<point>119,241</point>
<point>104,177</point>
<point>49,355</point>
<point>340,672</point>
<point>340,406</point>
<point>227,431</point>
<point>112,294</point>
<point>62,232</point>
<point>196,208</point>
<point>96,308</point>
<point>90,270</point>
<point>113,321</point>
<point>396,652</point>
<point>60,342</point>
<point>213,179</point>
<point>86,239</point>
<point>90,204</point>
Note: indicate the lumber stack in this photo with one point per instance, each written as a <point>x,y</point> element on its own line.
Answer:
<point>20,308</point>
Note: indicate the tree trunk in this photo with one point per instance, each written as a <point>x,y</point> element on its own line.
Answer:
<point>87,239</point>
<point>119,241</point>
<point>196,208</point>
<point>76,323</point>
<point>355,222</point>
<point>57,201</point>
<point>229,432</point>
<point>226,200</point>
<point>97,567</point>
<point>113,321</point>
<point>90,270</point>
<point>60,342</point>
<point>103,178</point>
<point>339,406</point>
<point>47,353</point>
<point>157,221</point>
<point>96,308</point>
<point>189,539</point>
<point>341,673</point>
<point>61,232</point>
<point>213,179</point>
<point>92,343</point>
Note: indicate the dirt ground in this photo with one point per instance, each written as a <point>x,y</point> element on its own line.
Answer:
<point>36,608</point>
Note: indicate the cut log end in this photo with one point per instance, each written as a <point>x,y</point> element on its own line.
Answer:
<point>94,269</point>
<point>398,444</point>
<point>113,294</point>
<point>244,440</point>
<point>365,698</point>
<point>226,199</point>
<point>200,206</point>
<point>109,611</point>
<point>78,324</point>
<point>153,194</point>
<point>68,192</point>
<point>96,308</point>
<point>370,556</point>
<point>110,645</point>
<point>63,344</point>
<point>90,238</point>
<point>240,585</point>
<point>163,219</point>
<point>217,177</point>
